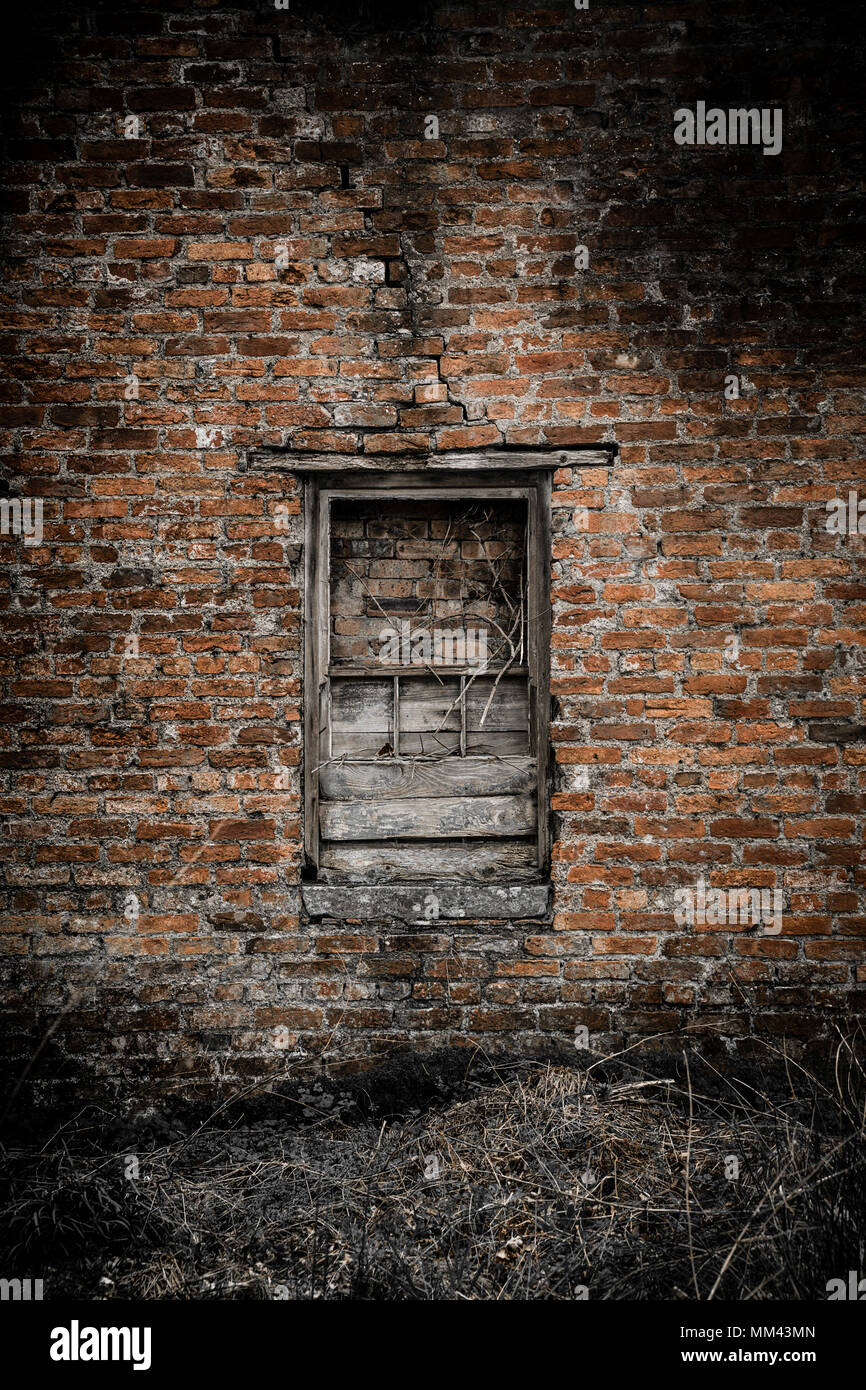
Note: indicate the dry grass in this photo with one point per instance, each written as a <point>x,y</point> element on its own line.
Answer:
<point>539,1183</point>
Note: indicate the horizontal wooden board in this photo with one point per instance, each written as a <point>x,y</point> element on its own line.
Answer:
<point>362,713</point>
<point>347,781</point>
<point>478,817</point>
<point>496,742</point>
<point>341,670</point>
<point>428,704</point>
<point>506,861</point>
<point>277,458</point>
<point>509,708</point>
<point>358,705</point>
<point>367,746</point>
<point>429,717</point>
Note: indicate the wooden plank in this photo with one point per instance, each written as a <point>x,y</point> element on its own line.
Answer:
<point>371,862</point>
<point>509,708</point>
<point>414,493</point>
<point>421,819</point>
<point>429,705</point>
<point>582,457</point>
<point>358,706</point>
<point>312,673</point>
<point>480,742</point>
<point>497,742</point>
<point>322,635</point>
<point>361,719</point>
<point>367,747</point>
<point>579,456</point>
<point>539,640</point>
<point>375,671</point>
<point>429,484</point>
<point>393,777</point>
<point>322,592</point>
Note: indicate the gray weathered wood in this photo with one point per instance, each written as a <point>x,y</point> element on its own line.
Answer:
<point>423,490</point>
<point>392,777</point>
<point>509,708</point>
<point>428,704</point>
<point>538,643</point>
<point>480,742</point>
<point>312,671</point>
<point>359,706</point>
<point>496,743</point>
<point>371,746</point>
<point>454,860</point>
<point>581,456</point>
<point>339,670</point>
<point>418,819</point>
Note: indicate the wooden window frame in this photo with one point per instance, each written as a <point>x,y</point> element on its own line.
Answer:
<point>533,487</point>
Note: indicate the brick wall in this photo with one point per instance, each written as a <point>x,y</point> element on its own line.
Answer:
<point>227,229</point>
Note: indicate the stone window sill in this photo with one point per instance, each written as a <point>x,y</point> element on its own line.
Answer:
<point>427,903</point>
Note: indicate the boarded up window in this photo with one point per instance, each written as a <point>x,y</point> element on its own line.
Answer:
<point>427,733</point>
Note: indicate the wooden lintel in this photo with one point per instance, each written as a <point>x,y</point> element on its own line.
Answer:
<point>496,460</point>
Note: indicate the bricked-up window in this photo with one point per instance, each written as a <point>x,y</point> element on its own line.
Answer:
<point>427,650</point>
